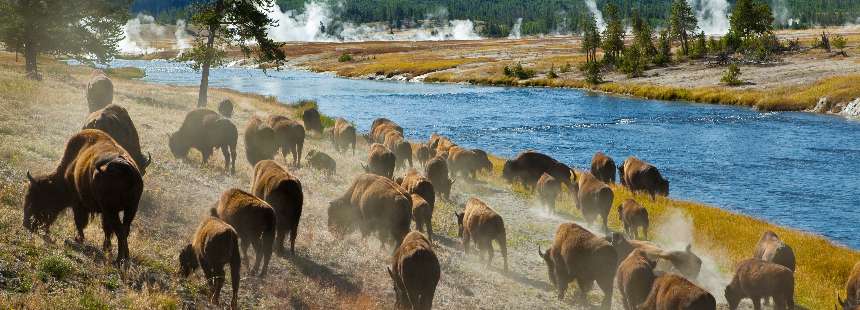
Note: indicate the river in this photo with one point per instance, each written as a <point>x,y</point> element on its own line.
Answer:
<point>794,169</point>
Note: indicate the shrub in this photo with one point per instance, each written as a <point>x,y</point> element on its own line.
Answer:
<point>55,266</point>
<point>519,72</point>
<point>346,57</point>
<point>732,76</point>
<point>839,43</point>
<point>591,69</point>
<point>565,68</point>
<point>632,62</point>
<point>552,74</point>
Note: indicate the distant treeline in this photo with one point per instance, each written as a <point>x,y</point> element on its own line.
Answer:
<point>496,17</point>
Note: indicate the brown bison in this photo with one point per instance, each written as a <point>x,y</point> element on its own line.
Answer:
<point>638,175</point>
<point>321,161</point>
<point>289,136</point>
<point>633,216</point>
<point>225,108</point>
<point>671,291</point>
<point>437,171</point>
<point>852,290</point>
<point>463,162</point>
<point>483,160</point>
<point>283,192</point>
<point>635,275</point>
<point>95,175</point>
<point>756,279</point>
<point>423,153</point>
<point>683,262</point>
<point>380,161</point>
<point>312,119</point>
<point>402,150</point>
<point>114,121</point>
<point>215,245</point>
<point>594,199</point>
<point>548,189</point>
<point>259,141</point>
<point>481,224</point>
<point>205,130</point>
<point>254,221</point>
<point>99,91</point>
<point>603,167</point>
<point>578,255</point>
<point>415,272</point>
<point>771,249</point>
<point>528,167</point>
<point>422,215</point>
<point>440,144</point>
<point>375,204</point>
<point>415,183</point>
<point>381,127</point>
<point>343,135</point>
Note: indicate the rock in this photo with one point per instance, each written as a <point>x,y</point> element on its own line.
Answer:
<point>823,106</point>
<point>852,109</point>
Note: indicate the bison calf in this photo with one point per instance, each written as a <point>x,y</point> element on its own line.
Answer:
<point>283,192</point>
<point>374,204</point>
<point>321,161</point>
<point>633,216</point>
<point>99,91</point>
<point>343,135</point>
<point>671,291</point>
<point>422,215</point>
<point>215,244</point>
<point>415,272</point>
<point>437,172</point>
<point>254,221</point>
<point>635,275</point>
<point>548,189</point>
<point>756,279</point>
<point>578,255</point>
<point>259,141</point>
<point>481,224</point>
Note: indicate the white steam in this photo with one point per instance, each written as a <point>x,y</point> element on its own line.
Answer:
<point>781,14</point>
<point>713,15</point>
<point>144,36</point>
<point>598,16</point>
<point>516,30</point>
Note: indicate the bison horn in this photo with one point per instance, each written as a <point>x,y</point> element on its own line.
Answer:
<point>30,177</point>
<point>689,248</point>
<point>540,253</point>
<point>148,160</point>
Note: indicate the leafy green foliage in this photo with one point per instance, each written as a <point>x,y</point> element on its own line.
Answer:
<point>552,74</point>
<point>591,69</point>
<point>633,63</point>
<point>613,36</point>
<point>519,72</point>
<point>732,76</point>
<point>839,42</point>
<point>664,51</point>
<point>55,266</point>
<point>590,39</point>
<point>750,17</point>
<point>643,36</point>
<point>700,47</point>
<point>346,57</point>
<point>682,23</point>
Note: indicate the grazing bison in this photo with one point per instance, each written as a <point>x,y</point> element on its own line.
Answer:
<point>635,275</point>
<point>311,118</point>
<point>95,175</point>
<point>463,162</point>
<point>481,224</point>
<point>225,108</point>
<point>215,245</point>
<point>283,192</point>
<point>528,167</point>
<point>603,167</point>
<point>205,130</point>
<point>99,91</point>
<point>633,216</point>
<point>674,292</point>
<point>422,215</point>
<point>437,171</point>
<point>415,272</point>
<point>402,150</point>
<point>114,121</point>
<point>483,160</point>
<point>683,262</point>
<point>852,290</point>
<point>289,136</point>
<point>423,153</point>
<point>578,255</point>
<point>321,161</point>
<point>259,141</point>
<point>638,175</point>
<point>343,135</point>
<point>771,249</point>
<point>756,279</point>
<point>375,204</point>
<point>548,189</point>
<point>254,221</point>
<point>594,199</point>
<point>380,161</point>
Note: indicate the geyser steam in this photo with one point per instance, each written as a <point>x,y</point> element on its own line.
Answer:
<point>144,36</point>
<point>712,15</point>
<point>598,16</point>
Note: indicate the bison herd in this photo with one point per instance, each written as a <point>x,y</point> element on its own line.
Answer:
<point>101,172</point>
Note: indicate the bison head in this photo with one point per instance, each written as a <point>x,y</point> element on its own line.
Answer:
<point>733,297</point>
<point>620,244</point>
<point>187,262</point>
<point>847,304</point>
<point>663,187</point>
<point>340,217</point>
<point>46,197</point>
<point>550,265</point>
<point>459,216</point>
<point>686,262</point>
<point>177,146</point>
<point>508,170</point>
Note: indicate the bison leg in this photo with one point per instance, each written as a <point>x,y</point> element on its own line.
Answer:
<point>606,285</point>
<point>218,283</point>
<point>82,218</point>
<point>245,244</point>
<point>488,246</point>
<point>235,267</point>
<point>258,255</point>
<point>108,229</point>
<point>226,152</point>
<point>428,225</point>
<point>756,302</point>
<point>503,247</point>
<point>466,236</point>
<point>112,221</point>
<point>280,235</point>
<point>584,288</point>
<point>206,153</point>
<point>293,233</point>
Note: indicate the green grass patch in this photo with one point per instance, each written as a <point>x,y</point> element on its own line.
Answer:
<point>126,73</point>
<point>303,105</point>
<point>57,267</point>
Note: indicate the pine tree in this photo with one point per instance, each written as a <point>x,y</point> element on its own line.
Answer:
<point>664,52</point>
<point>642,36</point>
<point>682,23</point>
<point>613,36</point>
<point>590,39</point>
<point>750,17</point>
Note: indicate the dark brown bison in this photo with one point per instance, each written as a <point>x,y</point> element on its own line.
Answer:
<point>440,143</point>
<point>225,108</point>
<point>374,204</point>
<point>205,130</point>
<point>312,119</point>
<point>321,161</point>
<point>99,91</point>
<point>343,135</point>
<point>635,275</point>
<point>481,224</point>
<point>594,199</point>
<point>415,272</point>
<point>633,216</point>
<point>423,153</point>
<point>463,162</point>
<point>114,121</point>
<point>259,141</point>
<point>254,220</point>
<point>483,161</point>
<point>401,148</point>
<point>422,215</point>
<point>603,167</point>
<point>756,279</point>
<point>289,136</point>
<point>638,175</point>
<point>852,290</point>
<point>578,255</point>
<point>548,189</point>
<point>771,249</point>
<point>380,161</point>
<point>437,171</point>
<point>683,262</point>
<point>95,176</point>
<point>671,291</point>
<point>215,244</point>
<point>528,167</point>
<point>283,192</point>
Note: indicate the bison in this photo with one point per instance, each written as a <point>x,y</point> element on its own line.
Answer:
<point>634,275</point>
<point>99,91</point>
<point>684,262</point>
<point>259,141</point>
<point>770,248</point>
<point>415,272</point>
<point>638,175</point>
<point>481,224</point>
<point>423,153</point>
<point>381,127</point>
<point>528,167</point>
<point>483,160</point>
<point>401,148</point>
<point>603,167</point>
<point>594,198</point>
<point>343,135</point>
<point>463,162</point>
<point>422,215</point>
<point>311,119</point>
<point>114,121</point>
<point>380,161</point>
<point>289,136</point>
<point>633,216</point>
<point>437,171</point>
<point>852,290</point>
<point>578,255</point>
<point>321,161</point>
<point>215,244</point>
<point>283,192</point>
<point>548,189</point>
<point>440,144</point>
<point>671,291</point>
<point>204,130</point>
<point>375,204</point>
<point>95,175</point>
<point>756,279</point>
<point>225,108</point>
<point>254,221</point>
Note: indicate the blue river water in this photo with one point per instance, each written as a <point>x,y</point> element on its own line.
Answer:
<point>794,169</point>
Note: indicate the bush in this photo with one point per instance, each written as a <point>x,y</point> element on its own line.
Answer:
<point>732,77</point>
<point>346,57</point>
<point>591,69</point>
<point>839,43</point>
<point>632,62</point>
<point>519,72</point>
<point>55,266</point>
<point>551,74</point>
<point>565,68</point>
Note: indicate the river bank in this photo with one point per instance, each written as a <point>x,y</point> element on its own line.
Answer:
<point>326,273</point>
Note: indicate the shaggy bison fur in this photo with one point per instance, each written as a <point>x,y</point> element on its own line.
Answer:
<point>424,153</point>
<point>634,276</point>
<point>205,130</point>
<point>548,189</point>
<point>770,248</point>
<point>415,273</point>
<point>283,192</point>
<point>633,216</point>
<point>578,255</point>
<point>225,108</point>
<point>757,279</point>
<point>254,221</point>
<point>852,290</point>
<point>463,162</point>
<point>374,204</point>
<point>289,136</point>
<point>638,175</point>
<point>671,291</point>
<point>481,224</point>
<point>312,120</point>
<point>215,244</point>
<point>437,171</point>
<point>114,121</point>
<point>594,198</point>
<point>528,167</point>
<point>343,135</point>
<point>380,161</point>
<point>401,148</point>
<point>99,91</point>
<point>603,167</point>
<point>683,262</point>
<point>321,161</point>
<point>422,215</point>
<point>259,141</point>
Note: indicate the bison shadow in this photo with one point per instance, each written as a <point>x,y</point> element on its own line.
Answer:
<point>523,279</point>
<point>88,250</point>
<point>323,274</point>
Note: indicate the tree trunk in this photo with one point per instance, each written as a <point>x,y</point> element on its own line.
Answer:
<point>31,55</point>
<point>202,97</point>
